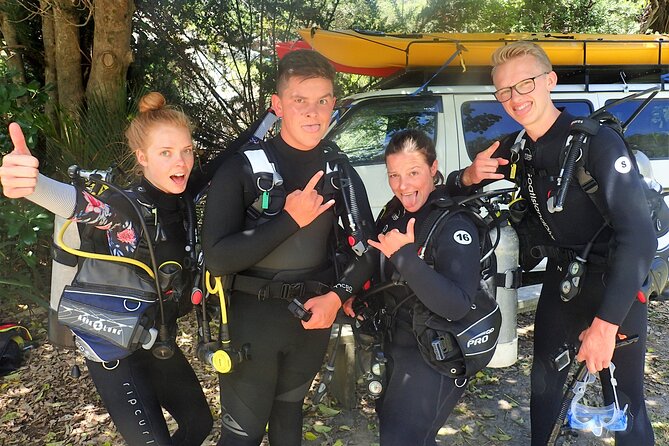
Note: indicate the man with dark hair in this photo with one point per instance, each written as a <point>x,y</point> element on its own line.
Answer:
<point>622,242</point>
<point>303,64</point>
<point>270,229</point>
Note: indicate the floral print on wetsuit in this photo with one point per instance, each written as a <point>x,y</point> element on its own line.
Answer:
<point>122,237</point>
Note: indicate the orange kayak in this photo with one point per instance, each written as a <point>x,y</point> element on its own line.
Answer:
<point>374,50</point>
<point>283,48</point>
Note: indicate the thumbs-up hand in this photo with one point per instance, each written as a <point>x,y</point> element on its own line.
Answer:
<point>19,169</point>
<point>484,167</point>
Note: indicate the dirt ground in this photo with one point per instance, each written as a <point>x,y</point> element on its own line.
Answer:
<point>41,404</point>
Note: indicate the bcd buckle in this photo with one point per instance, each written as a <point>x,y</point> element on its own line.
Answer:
<point>292,290</point>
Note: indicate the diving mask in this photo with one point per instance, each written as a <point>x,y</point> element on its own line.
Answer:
<point>596,419</point>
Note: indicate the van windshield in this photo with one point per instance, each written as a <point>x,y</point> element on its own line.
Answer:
<point>364,131</point>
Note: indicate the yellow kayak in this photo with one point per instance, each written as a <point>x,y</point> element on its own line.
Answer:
<point>381,50</point>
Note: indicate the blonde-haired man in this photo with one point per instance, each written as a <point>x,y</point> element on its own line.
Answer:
<point>606,308</point>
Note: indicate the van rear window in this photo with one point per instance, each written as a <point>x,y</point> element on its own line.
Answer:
<point>364,131</point>
<point>485,122</point>
<point>649,131</point>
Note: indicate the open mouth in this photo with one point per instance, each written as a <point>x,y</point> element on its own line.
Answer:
<point>522,108</point>
<point>178,178</point>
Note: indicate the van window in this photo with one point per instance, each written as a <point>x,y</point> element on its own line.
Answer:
<point>485,122</point>
<point>650,130</point>
<point>365,129</point>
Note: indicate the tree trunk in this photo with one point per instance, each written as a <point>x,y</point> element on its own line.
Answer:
<point>10,51</point>
<point>68,55</point>
<point>111,49</point>
<point>49,38</point>
<point>656,17</point>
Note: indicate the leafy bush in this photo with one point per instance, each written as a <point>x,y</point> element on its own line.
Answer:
<point>25,237</point>
<point>25,229</point>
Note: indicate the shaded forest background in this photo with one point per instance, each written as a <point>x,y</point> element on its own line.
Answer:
<point>71,71</point>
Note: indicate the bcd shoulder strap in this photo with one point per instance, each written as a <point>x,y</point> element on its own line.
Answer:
<point>270,194</point>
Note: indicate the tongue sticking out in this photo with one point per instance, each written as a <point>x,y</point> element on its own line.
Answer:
<point>410,200</point>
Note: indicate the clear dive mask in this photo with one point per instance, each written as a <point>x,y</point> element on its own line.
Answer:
<point>596,419</point>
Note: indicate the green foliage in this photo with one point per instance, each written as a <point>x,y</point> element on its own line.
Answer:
<point>22,104</point>
<point>558,16</point>
<point>28,27</point>
<point>218,61</point>
<point>25,229</point>
<point>92,138</point>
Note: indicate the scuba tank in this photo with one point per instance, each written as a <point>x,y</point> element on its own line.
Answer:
<point>506,293</point>
<point>61,274</point>
<point>657,278</point>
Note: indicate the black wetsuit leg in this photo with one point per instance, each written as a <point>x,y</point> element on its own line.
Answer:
<point>135,390</point>
<point>557,323</point>
<point>271,386</point>
<point>629,373</point>
<point>417,399</point>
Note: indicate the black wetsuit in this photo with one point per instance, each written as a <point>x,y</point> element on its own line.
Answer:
<point>285,357</point>
<point>418,400</point>
<point>136,388</point>
<point>617,267</point>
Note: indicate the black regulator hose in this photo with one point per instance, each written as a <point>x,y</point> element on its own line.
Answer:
<point>567,171</point>
<point>358,225</point>
<point>580,130</point>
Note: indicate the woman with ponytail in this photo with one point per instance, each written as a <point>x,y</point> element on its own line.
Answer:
<point>136,387</point>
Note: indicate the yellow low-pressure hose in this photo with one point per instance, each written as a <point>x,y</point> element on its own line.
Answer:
<point>217,288</point>
<point>61,244</point>
<point>220,359</point>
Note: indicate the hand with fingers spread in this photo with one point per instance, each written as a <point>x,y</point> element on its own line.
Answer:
<point>484,167</point>
<point>393,240</point>
<point>305,205</point>
<point>19,170</point>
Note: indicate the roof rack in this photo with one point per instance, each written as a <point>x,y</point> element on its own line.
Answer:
<point>567,74</point>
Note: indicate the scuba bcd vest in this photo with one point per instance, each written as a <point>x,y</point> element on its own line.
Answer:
<point>460,348</point>
<point>270,195</point>
<point>111,304</point>
<point>337,180</point>
<point>574,158</point>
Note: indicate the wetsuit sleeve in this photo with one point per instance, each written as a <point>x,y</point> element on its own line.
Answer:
<point>449,288</point>
<point>54,196</point>
<point>228,247</point>
<point>79,205</point>
<point>361,268</point>
<point>622,192</point>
